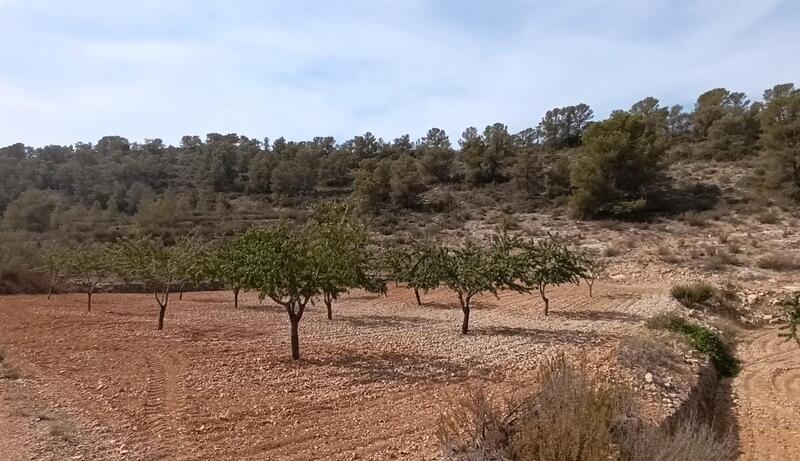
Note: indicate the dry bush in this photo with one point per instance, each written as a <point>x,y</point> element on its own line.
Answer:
<point>62,430</point>
<point>665,254</point>
<point>779,262</point>
<point>648,353</point>
<point>769,217</point>
<point>692,439</point>
<point>728,300</point>
<point>571,418</point>
<point>664,250</point>
<point>720,260</point>
<point>474,429</point>
<point>694,219</point>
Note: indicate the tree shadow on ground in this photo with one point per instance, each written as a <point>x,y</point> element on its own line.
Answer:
<point>363,368</point>
<point>386,321</point>
<point>364,297</point>
<point>678,200</point>
<point>266,307</point>
<point>723,416</point>
<point>597,315</point>
<point>474,305</point>
<point>545,336</point>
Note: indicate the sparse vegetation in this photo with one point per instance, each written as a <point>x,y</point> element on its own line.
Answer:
<point>648,353</point>
<point>779,262</point>
<point>702,339</point>
<point>791,305</point>
<point>693,295</point>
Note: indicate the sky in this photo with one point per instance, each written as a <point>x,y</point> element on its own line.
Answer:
<point>76,70</point>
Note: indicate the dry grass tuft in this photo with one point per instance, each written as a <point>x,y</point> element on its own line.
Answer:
<point>779,262</point>
<point>693,295</point>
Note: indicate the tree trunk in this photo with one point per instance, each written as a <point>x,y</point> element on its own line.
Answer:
<point>546,301</point>
<point>180,295</point>
<point>590,288</point>
<point>162,310</point>
<point>295,324</point>
<point>162,305</point>
<point>236,297</point>
<point>465,310</point>
<point>416,294</point>
<point>328,306</point>
<point>50,291</point>
<point>89,300</point>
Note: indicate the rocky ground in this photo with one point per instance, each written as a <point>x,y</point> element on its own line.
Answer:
<point>217,383</point>
<point>767,397</point>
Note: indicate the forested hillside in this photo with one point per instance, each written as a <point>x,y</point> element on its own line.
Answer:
<point>599,168</point>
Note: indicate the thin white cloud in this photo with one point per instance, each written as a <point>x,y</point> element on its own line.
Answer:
<point>341,68</point>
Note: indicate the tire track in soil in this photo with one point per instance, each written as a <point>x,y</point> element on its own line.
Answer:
<point>162,420</point>
<point>768,397</point>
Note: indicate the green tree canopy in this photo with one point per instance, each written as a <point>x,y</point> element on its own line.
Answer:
<point>341,246</point>
<point>157,267</point>
<point>781,121</point>
<point>620,165</point>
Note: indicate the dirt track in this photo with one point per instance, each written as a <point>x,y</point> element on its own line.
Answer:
<point>768,397</point>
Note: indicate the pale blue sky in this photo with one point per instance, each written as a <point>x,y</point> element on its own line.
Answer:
<point>75,70</point>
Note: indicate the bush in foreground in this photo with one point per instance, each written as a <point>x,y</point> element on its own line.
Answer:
<point>569,418</point>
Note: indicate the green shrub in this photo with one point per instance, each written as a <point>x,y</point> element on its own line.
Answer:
<point>792,307</point>
<point>702,339</point>
<point>693,294</point>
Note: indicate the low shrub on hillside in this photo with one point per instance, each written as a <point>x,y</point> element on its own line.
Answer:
<point>693,294</point>
<point>779,262</point>
<point>702,339</point>
<point>646,353</point>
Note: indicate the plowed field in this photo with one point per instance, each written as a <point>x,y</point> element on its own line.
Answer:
<point>218,383</point>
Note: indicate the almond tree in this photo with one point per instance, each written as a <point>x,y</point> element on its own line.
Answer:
<point>417,266</point>
<point>281,264</point>
<point>341,244</point>
<point>158,267</point>
<point>223,264</point>
<point>53,264</point>
<point>470,270</point>
<point>86,266</point>
<point>547,262</point>
<point>593,269</point>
